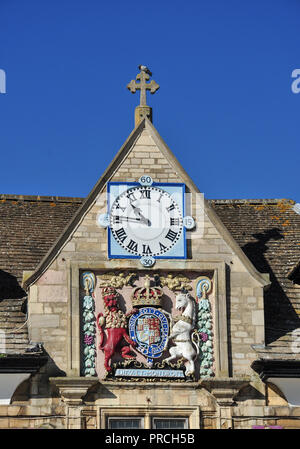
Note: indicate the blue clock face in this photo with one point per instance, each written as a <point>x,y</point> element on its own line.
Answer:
<point>146,221</point>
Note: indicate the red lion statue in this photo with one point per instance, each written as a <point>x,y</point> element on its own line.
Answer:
<point>115,323</point>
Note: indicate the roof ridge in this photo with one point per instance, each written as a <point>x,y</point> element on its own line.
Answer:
<point>71,199</point>
<point>252,201</point>
<point>61,199</point>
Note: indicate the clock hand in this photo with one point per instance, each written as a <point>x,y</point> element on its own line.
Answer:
<point>137,211</point>
<point>121,218</point>
<point>145,220</point>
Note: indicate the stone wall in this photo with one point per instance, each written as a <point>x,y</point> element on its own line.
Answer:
<point>40,413</point>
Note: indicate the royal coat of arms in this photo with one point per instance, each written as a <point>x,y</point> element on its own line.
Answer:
<point>149,328</point>
<point>152,342</point>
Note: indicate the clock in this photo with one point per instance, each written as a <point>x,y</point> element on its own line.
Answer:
<point>146,221</point>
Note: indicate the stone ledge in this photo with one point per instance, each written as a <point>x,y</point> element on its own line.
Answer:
<point>149,385</point>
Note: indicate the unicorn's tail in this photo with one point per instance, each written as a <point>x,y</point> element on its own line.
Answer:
<point>196,340</point>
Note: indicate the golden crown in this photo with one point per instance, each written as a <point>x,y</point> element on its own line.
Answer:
<point>147,295</point>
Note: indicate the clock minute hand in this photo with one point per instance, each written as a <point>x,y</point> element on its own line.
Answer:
<point>137,211</point>
<point>131,219</point>
<point>121,218</point>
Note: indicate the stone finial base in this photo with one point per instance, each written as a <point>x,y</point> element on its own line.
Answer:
<point>141,112</point>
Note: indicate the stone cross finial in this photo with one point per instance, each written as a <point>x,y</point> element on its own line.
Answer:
<point>143,86</point>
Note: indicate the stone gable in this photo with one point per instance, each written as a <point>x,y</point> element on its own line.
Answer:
<point>145,158</point>
<point>55,296</point>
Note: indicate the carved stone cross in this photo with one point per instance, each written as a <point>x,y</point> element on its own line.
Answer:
<point>143,86</point>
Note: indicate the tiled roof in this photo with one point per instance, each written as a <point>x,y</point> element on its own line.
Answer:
<point>268,231</point>
<point>294,273</point>
<point>29,225</point>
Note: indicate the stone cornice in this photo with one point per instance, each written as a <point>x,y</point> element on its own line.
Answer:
<point>22,363</point>
<point>224,389</point>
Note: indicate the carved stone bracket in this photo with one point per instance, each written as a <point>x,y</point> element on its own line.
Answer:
<point>73,389</point>
<point>224,389</point>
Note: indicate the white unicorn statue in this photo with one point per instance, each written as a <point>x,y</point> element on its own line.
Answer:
<point>181,332</point>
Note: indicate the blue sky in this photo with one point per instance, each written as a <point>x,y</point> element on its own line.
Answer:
<point>225,105</point>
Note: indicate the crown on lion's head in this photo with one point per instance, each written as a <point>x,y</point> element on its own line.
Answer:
<point>107,291</point>
<point>110,297</point>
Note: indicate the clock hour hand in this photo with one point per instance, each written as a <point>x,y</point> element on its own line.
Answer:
<point>137,212</point>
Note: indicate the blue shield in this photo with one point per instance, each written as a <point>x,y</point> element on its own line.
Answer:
<point>149,328</point>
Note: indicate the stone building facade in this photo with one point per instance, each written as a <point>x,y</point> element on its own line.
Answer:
<point>238,275</point>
